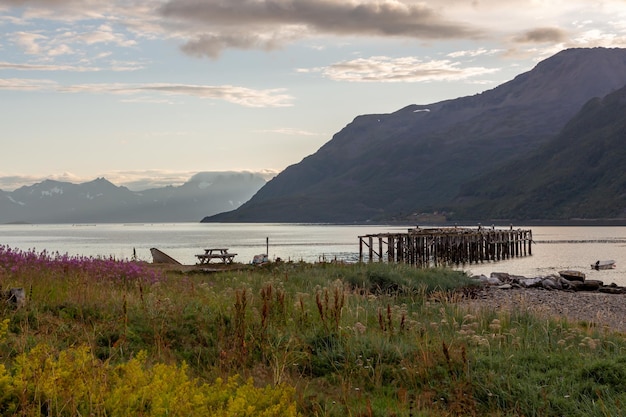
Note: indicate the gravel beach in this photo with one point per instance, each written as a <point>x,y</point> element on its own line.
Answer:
<point>599,309</point>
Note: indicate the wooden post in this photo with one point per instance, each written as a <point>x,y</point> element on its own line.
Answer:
<point>360,249</point>
<point>447,246</point>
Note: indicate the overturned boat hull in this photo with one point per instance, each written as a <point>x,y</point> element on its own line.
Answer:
<point>160,257</point>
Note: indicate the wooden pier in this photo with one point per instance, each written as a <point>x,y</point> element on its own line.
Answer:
<point>428,247</point>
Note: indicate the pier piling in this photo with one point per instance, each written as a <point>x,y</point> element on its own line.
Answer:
<point>426,247</point>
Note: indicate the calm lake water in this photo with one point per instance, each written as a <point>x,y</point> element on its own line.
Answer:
<point>555,248</point>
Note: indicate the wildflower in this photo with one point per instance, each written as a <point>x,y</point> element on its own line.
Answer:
<point>360,327</point>
<point>495,325</point>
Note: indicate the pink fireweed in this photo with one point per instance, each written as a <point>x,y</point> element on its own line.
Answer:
<point>16,262</point>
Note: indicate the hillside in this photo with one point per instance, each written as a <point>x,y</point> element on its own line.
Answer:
<point>416,159</point>
<point>579,174</point>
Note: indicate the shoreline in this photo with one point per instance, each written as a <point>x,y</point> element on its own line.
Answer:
<point>593,309</point>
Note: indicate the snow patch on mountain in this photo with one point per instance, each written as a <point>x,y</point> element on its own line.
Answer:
<point>52,191</point>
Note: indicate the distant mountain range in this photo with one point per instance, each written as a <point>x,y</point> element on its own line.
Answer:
<point>100,201</point>
<point>523,150</point>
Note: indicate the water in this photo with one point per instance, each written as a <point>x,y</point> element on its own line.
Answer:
<point>555,248</point>
<point>182,241</point>
<point>559,248</point>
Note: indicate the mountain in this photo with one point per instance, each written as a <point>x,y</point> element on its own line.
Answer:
<point>578,174</point>
<point>100,201</point>
<point>415,160</point>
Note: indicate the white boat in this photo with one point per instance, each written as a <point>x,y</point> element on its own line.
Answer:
<point>610,264</point>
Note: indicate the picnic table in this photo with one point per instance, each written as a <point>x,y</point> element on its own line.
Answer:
<point>220,254</point>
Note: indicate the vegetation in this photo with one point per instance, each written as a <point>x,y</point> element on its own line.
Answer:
<point>116,338</point>
<point>580,171</point>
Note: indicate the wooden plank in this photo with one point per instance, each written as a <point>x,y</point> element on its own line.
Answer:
<point>225,258</point>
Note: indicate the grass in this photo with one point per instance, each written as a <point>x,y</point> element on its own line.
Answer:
<point>357,340</point>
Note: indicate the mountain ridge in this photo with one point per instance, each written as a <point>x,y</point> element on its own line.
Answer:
<point>100,201</point>
<point>386,166</point>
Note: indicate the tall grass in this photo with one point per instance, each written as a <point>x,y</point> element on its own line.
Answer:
<point>360,340</point>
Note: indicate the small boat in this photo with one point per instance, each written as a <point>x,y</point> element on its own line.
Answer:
<point>159,257</point>
<point>610,264</point>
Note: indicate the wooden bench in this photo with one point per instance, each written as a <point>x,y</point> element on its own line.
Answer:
<point>221,254</point>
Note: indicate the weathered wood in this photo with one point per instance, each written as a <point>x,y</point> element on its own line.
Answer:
<point>216,253</point>
<point>447,246</point>
<point>160,257</point>
<point>360,250</point>
<point>224,258</point>
<point>391,252</point>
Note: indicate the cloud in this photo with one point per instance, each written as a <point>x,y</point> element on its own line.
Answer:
<point>542,35</point>
<point>66,10</point>
<point>103,34</point>
<point>208,27</point>
<point>474,53</point>
<point>13,182</point>
<point>242,96</point>
<point>289,131</point>
<point>214,25</point>
<point>62,49</point>
<point>212,45</point>
<point>21,84</point>
<point>595,37</point>
<point>143,180</point>
<point>134,180</point>
<point>46,67</point>
<point>238,95</point>
<point>394,18</point>
<point>150,100</point>
<point>29,42</point>
<point>407,69</point>
<point>53,44</point>
<point>114,66</point>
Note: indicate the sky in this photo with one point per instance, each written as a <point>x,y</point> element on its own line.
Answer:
<point>147,93</point>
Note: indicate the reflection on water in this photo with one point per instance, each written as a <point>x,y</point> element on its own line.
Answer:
<point>554,248</point>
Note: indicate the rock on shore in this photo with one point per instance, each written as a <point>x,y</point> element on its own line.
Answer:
<point>566,280</point>
<point>588,301</point>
